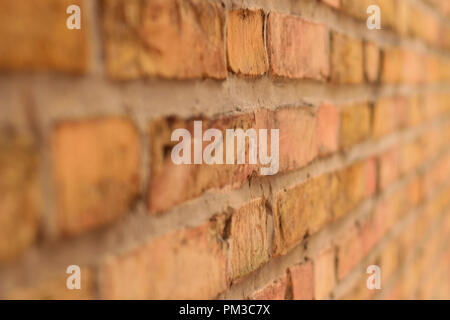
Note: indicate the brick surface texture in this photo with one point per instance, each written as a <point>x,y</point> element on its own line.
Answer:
<point>87,177</point>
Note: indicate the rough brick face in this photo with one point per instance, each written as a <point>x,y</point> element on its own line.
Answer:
<point>297,48</point>
<point>246,49</point>
<point>143,40</point>
<point>41,39</point>
<point>96,172</point>
<point>360,173</point>
<point>188,264</point>
<point>20,199</point>
<point>250,238</point>
<point>346,60</point>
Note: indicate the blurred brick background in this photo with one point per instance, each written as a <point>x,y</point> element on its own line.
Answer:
<point>85,170</point>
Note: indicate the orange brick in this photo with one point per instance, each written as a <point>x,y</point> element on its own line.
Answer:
<point>389,115</point>
<point>276,290</point>
<point>327,128</point>
<point>20,200</point>
<point>389,169</point>
<point>346,60</point>
<point>143,39</point>
<point>95,170</point>
<point>324,279</point>
<point>188,264</point>
<point>245,42</point>
<point>355,124</point>
<point>41,39</point>
<point>302,281</point>
<point>392,66</point>
<point>250,238</point>
<point>297,49</point>
<point>333,3</point>
<point>301,210</point>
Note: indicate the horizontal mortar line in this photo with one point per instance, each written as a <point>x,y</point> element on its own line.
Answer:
<point>258,278</point>
<point>61,98</point>
<point>350,280</point>
<point>393,279</point>
<point>339,21</point>
<point>138,228</point>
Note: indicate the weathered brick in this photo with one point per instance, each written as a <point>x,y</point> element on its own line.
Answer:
<point>371,62</point>
<point>250,238</point>
<point>388,116</point>
<point>327,128</point>
<point>389,169</point>
<point>20,200</point>
<point>302,281</point>
<point>355,124</point>
<point>346,60</point>
<point>298,146</point>
<point>324,278</point>
<point>40,37</point>
<point>301,210</point>
<point>187,264</point>
<point>276,290</point>
<point>95,171</point>
<point>297,48</point>
<point>392,66</point>
<point>246,49</point>
<point>166,38</point>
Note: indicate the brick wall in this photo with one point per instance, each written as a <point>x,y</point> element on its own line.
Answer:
<point>86,176</point>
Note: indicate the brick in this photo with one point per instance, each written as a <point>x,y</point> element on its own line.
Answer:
<point>392,66</point>
<point>170,39</point>
<point>346,60</point>
<point>355,124</point>
<point>298,147</point>
<point>389,115</point>
<point>55,288</point>
<point>324,278</point>
<point>95,171</point>
<point>349,252</point>
<point>300,211</point>
<point>389,261</point>
<point>327,129</point>
<point>20,199</point>
<point>332,3</point>
<point>187,264</point>
<point>372,62</point>
<point>276,290</point>
<point>297,48</point>
<point>351,186</point>
<point>389,169</point>
<point>298,137</point>
<point>250,238</point>
<point>246,49</point>
<point>302,281</point>
<point>41,40</point>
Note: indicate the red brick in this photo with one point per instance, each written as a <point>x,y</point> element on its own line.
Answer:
<point>297,48</point>
<point>246,49</point>
<point>165,38</point>
<point>327,128</point>
<point>188,264</point>
<point>276,290</point>
<point>302,281</point>
<point>41,40</point>
<point>95,170</point>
